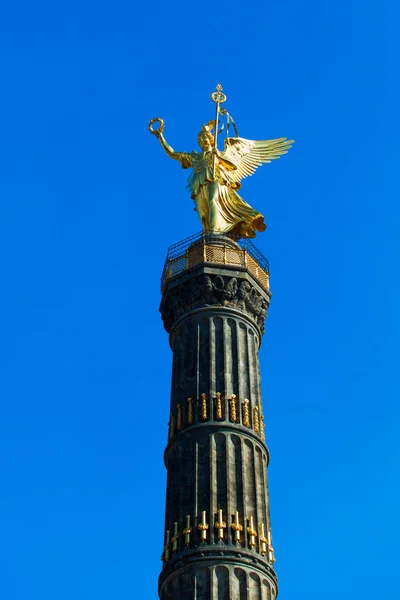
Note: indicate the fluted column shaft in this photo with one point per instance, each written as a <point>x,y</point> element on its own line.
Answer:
<point>217,542</point>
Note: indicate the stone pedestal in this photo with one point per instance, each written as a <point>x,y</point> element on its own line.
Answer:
<point>217,543</point>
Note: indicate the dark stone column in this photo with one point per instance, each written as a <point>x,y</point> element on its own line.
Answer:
<point>216,455</point>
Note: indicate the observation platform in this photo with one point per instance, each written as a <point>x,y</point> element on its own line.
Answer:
<point>216,249</point>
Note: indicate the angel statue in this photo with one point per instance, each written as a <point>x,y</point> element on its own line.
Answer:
<point>216,176</point>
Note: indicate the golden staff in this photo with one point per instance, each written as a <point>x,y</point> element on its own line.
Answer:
<point>218,97</point>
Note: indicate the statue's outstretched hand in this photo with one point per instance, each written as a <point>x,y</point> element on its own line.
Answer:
<point>157,132</point>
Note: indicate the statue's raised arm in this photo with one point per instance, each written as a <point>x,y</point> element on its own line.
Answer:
<point>183,157</point>
<point>216,176</point>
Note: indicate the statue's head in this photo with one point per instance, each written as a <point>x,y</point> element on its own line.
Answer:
<point>205,138</point>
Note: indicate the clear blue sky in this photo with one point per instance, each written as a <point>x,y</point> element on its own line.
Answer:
<point>89,206</point>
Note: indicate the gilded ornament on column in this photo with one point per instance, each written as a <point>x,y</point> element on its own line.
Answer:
<point>203,407</point>
<point>187,531</point>
<point>203,526</point>
<point>220,525</point>
<point>232,408</point>
<point>165,555</point>
<point>190,411</point>
<point>256,419</point>
<point>179,417</point>
<point>252,533</point>
<point>237,527</point>
<point>171,429</point>
<point>262,428</point>
<point>174,539</point>
<point>263,540</point>
<point>246,414</point>
<point>271,553</point>
<point>219,407</point>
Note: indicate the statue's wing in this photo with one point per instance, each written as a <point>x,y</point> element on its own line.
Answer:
<point>247,155</point>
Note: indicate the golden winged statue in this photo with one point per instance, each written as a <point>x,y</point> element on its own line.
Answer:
<point>216,176</point>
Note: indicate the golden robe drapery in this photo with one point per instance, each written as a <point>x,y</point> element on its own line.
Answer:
<point>218,204</point>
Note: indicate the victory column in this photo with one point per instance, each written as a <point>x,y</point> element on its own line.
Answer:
<point>215,298</point>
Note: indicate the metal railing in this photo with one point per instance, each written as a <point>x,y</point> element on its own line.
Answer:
<point>206,247</point>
